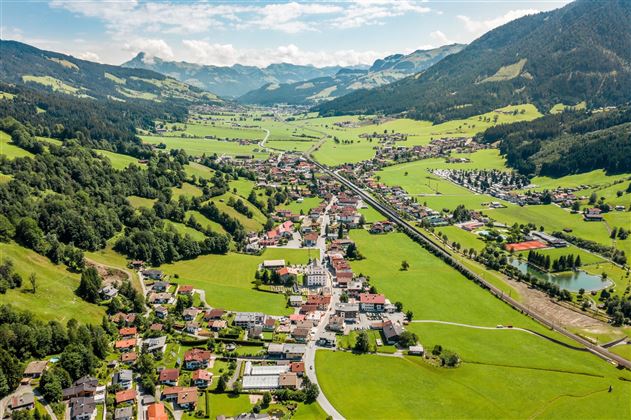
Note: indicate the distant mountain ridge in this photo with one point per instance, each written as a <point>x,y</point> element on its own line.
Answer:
<point>47,70</point>
<point>577,53</point>
<point>382,72</point>
<point>230,81</point>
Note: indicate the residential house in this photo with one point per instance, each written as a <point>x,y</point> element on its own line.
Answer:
<point>128,395</point>
<point>288,380</point>
<point>108,292</point>
<point>129,358</point>
<point>82,408</point>
<point>160,286</point>
<point>310,239</point>
<point>161,312</point>
<point>125,345</point>
<point>213,314</point>
<point>297,367</point>
<point>124,413</point>
<point>392,331</point>
<point>320,301</point>
<point>247,319</point>
<point>301,335</point>
<point>124,378</point>
<point>349,312</point>
<point>156,411</point>
<point>185,289</point>
<point>189,314</point>
<point>201,378</point>
<point>35,369</point>
<point>154,345</point>
<point>196,359</point>
<point>153,274</point>
<point>169,376</point>
<point>128,332</point>
<point>25,401</point>
<point>191,327</point>
<point>336,323</point>
<point>217,325</point>
<point>295,301</point>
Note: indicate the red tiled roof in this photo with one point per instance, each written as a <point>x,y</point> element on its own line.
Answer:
<point>372,298</point>
<point>297,367</point>
<point>197,355</point>
<point>124,344</point>
<point>201,374</point>
<point>169,375</point>
<point>156,411</point>
<point>126,395</point>
<point>128,331</point>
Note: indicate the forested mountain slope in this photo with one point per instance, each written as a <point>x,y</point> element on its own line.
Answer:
<point>383,71</point>
<point>577,53</point>
<point>567,143</point>
<point>48,70</point>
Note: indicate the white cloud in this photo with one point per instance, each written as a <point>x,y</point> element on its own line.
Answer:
<point>90,56</point>
<point>124,17</point>
<point>441,38</point>
<point>204,52</point>
<point>478,27</point>
<point>151,47</point>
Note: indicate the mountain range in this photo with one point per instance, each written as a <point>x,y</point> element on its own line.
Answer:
<point>577,53</point>
<point>229,81</point>
<point>51,71</point>
<point>382,72</point>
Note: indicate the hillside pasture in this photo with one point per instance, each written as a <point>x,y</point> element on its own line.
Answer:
<point>54,298</point>
<point>9,149</point>
<point>227,279</point>
<point>208,147</point>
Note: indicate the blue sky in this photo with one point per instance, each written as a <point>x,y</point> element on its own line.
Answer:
<point>254,32</point>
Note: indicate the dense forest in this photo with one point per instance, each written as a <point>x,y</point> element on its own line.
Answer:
<point>577,53</point>
<point>566,143</point>
<point>86,203</point>
<point>108,125</point>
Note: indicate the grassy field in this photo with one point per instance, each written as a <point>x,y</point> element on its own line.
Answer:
<point>54,297</point>
<point>309,412</point>
<point>554,253</point>
<point>9,149</point>
<point>182,229</point>
<point>371,215</point>
<point>199,147</point>
<point>306,205</point>
<point>552,218</point>
<point>199,170</point>
<point>187,189</point>
<point>405,387</point>
<point>464,238</point>
<point>429,288</point>
<point>253,224</point>
<point>242,187</point>
<point>138,202</point>
<point>204,221</point>
<point>290,145</point>
<point>220,131</point>
<point>227,279</point>
<point>352,148</point>
<point>118,160</point>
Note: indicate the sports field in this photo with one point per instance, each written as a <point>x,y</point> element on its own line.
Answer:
<point>227,279</point>
<point>54,297</point>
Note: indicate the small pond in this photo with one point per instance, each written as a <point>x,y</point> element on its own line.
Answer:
<point>572,281</point>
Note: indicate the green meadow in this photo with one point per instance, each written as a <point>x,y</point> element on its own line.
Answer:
<point>220,131</point>
<point>138,202</point>
<point>199,170</point>
<point>464,238</point>
<point>204,221</point>
<point>187,190</point>
<point>9,149</point>
<point>227,279</point>
<point>54,297</point>
<point>430,288</point>
<point>118,160</point>
<point>409,388</point>
<point>353,148</point>
<point>307,204</point>
<point>199,147</point>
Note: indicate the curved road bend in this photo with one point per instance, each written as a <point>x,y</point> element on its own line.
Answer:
<point>420,236</point>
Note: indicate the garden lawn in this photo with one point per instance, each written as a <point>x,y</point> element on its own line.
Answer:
<point>408,386</point>
<point>307,204</point>
<point>228,405</point>
<point>54,297</point>
<point>227,279</point>
<point>309,412</point>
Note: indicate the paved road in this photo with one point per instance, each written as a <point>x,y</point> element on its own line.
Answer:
<point>477,327</point>
<point>420,237</point>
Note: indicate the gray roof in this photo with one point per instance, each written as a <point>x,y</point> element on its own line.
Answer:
<point>124,412</point>
<point>125,375</point>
